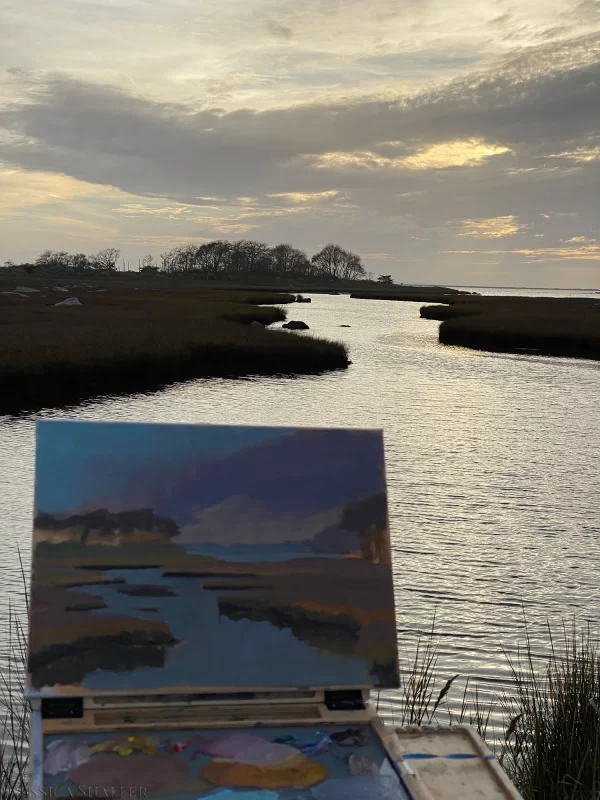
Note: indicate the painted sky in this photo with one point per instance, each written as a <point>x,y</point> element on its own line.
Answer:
<point>181,470</point>
<point>451,142</point>
<point>70,455</point>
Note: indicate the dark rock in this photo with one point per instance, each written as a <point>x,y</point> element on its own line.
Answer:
<point>296,325</point>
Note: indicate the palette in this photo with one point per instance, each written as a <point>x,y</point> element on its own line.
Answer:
<point>331,762</point>
<point>200,583</point>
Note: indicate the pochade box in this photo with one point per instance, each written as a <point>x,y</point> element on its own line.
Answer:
<point>211,607</point>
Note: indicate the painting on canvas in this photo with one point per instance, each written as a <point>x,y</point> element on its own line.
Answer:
<point>183,557</point>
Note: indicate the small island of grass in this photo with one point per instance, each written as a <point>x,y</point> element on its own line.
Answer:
<point>548,326</point>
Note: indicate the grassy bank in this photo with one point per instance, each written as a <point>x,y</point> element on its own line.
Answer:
<point>543,326</point>
<point>126,338</point>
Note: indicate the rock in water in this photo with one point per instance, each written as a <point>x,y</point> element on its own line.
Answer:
<point>69,301</point>
<point>296,325</point>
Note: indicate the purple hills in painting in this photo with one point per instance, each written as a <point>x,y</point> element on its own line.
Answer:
<point>180,557</point>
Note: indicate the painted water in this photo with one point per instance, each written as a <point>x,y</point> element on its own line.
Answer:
<point>232,650</point>
<point>492,466</point>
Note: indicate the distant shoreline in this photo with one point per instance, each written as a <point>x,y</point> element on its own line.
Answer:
<point>522,288</point>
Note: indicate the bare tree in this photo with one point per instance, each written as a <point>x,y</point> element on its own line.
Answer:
<point>387,279</point>
<point>212,258</point>
<point>168,262</point>
<point>79,262</point>
<point>255,255</point>
<point>287,260</point>
<point>106,260</point>
<point>335,262</point>
<point>352,268</point>
<point>187,256</point>
<point>53,260</point>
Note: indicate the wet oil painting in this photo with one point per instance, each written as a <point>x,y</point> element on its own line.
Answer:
<point>186,557</point>
<point>331,762</point>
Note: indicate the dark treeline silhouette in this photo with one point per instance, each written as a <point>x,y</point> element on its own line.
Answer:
<point>218,260</point>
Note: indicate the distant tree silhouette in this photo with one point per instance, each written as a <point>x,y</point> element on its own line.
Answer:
<point>220,259</point>
<point>335,262</point>
<point>53,260</point>
<point>105,260</point>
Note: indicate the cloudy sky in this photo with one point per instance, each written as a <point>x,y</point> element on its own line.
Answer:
<point>452,142</point>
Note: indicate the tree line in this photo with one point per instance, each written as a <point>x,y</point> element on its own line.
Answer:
<point>218,259</point>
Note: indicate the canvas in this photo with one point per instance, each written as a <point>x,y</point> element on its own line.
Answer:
<point>174,558</point>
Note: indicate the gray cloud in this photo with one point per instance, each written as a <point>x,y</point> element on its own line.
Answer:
<point>153,147</point>
<point>542,105</point>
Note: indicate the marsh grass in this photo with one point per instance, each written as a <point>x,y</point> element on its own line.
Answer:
<point>15,710</point>
<point>552,742</point>
<point>547,325</point>
<point>14,716</point>
<point>420,703</point>
<point>128,339</point>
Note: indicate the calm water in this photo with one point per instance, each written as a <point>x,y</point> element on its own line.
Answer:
<point>493,464</point>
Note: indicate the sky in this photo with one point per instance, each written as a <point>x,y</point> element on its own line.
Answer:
<point>456,143</point>
<point>180,470</point>
<point>72,455</point>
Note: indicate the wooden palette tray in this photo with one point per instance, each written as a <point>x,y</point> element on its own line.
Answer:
<point>276,751</point>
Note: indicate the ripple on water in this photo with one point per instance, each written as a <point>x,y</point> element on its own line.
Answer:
<point>492,465</point>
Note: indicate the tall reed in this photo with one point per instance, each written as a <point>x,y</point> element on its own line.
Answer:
<point>14,716</point>
<point>552,743</point>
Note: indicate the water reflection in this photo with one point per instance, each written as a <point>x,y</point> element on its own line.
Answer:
<point>492,467</point>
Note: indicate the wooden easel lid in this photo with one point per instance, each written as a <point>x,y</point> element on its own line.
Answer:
<point>181,558</point>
